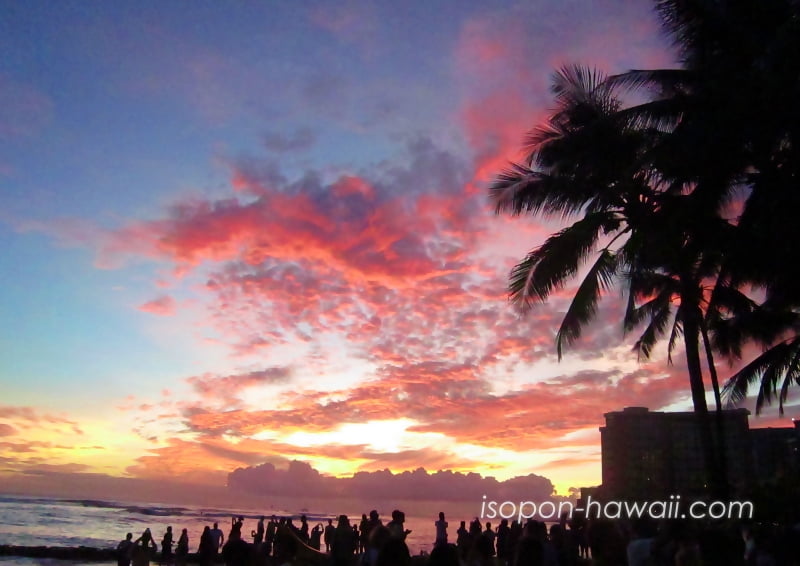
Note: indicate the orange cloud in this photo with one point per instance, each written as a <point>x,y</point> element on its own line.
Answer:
<point>25,417</point>
<point>226,389</point>
<point>7,430</point>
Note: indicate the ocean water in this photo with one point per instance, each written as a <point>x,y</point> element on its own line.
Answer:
<point>35,521</point>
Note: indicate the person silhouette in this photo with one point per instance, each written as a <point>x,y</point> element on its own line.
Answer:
<point>303,528</point>
<point>236,528</point>
<point>166,547</point>
<point>444,555</point>
<point>207,550</point>
<point>395,526</point>
<point>462,540</point>
<point>364,529</point>
<point>315,536</point>
<point>441,530</point>
<point>489,535</point>
<point>258,534</point>
<point>272,526</point>
<point>377,539</point>
<point>503,532</point>
<point>125,550</point>
<point>394,553</point>
<point>217,538</point>
<point>142,548</point>
<point>329,532</point>
<point>182,548</point>
<point>475,529</point>
<point>374,520</point>
<point>344,543</point>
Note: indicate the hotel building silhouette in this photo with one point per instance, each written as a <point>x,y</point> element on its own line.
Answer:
<point>648,455</point>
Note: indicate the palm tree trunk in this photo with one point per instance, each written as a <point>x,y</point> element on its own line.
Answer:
<point>691,335</point>
<point>712,369</point>
<point>718,414</point>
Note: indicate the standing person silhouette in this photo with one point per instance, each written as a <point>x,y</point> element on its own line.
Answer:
<point>125,550</point>
<point>166,547</point>
<point>272,526</point>
<point>489,535</point>
<point>328,535</point>
<point>344,543</point>
<point>503,532</point>
<point>182,549</point>
<point>462,540</point>
<point>374,521</point>
<point>395,526</point>
<point>258,534</point>
<point>236,528</point>
<point>364,529</point>
<point>206,552</point>
<point>441,531</point>
<point>315,536</point>
<point>303,532</point>
<point>217,538</point>
<point>142,548</point>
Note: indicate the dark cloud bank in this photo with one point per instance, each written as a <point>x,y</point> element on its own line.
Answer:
<point>301,479</point>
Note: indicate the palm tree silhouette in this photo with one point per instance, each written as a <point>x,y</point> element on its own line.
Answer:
<point>734,124</point>
<point>593,162</point>
<point>651,186</point>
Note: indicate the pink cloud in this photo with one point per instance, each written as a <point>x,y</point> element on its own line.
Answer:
<point>507,75</point>
<point>162,306</point>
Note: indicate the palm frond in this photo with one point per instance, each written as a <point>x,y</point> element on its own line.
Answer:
<point>792,375</point>
<point>690,23</point>
<point>584,304</point>
<point>522,291</point>
<point>635,315</point>
<point>514,190</point>
<point>677,332</point>
<point>726,337</point>
<point>658,312</point>
<point>519,189</point>
<point>542,135</point>
<point>661,115</point>
<point>730,299</point>
<point>577,84</point>
<point>735,320</point>
<point>725,305</point>
<point>645,283</point>
<point>559,258</point>
<point>655,81</point>
<point>782,360</point>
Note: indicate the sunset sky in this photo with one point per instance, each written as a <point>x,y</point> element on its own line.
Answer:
<point>245,232</point>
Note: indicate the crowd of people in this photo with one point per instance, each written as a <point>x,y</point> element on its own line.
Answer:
<point>370,542</point>
<point>604,542</point>
<point>140,551</point>
<point>276,539</point>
